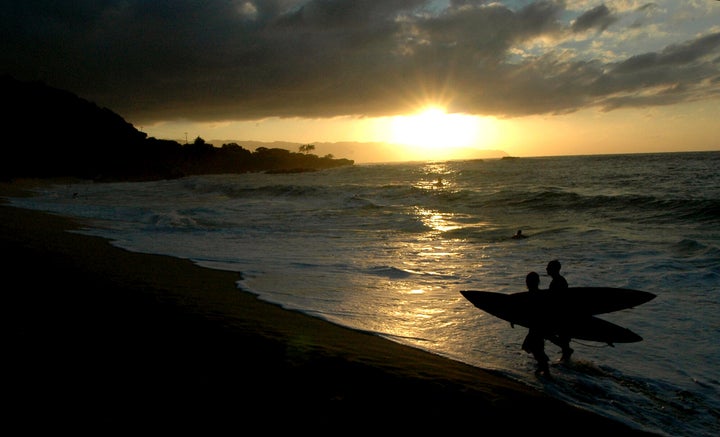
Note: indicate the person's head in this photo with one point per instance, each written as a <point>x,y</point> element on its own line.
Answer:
<point>519,232</point>
<point>553,267</point>
<point>532,280</point>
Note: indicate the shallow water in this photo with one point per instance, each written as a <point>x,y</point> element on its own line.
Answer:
<point>384,248</point>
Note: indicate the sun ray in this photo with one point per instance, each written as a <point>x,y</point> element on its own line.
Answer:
<point>434,129</point>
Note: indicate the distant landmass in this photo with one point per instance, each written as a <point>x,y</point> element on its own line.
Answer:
<point>51,133</point>
<point>365,152</point>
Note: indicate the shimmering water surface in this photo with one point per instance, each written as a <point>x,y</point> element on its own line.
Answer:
<point>386,248</point>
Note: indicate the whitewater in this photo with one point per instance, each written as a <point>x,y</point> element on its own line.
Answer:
<point>386,248</point>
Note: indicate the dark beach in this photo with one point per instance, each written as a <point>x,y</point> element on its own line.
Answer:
<point>99,338</point>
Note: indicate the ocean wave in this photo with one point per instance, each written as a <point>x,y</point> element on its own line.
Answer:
<point>331,244</point>
<point>689,247</point>
<point>171,220</point>
<point>391,272</point>
<point>637,207</point>
<point>356,201</point>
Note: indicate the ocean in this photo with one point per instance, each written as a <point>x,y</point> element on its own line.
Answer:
<point>386,248</point>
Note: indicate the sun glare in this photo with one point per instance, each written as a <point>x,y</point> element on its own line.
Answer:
<point>433,129</point>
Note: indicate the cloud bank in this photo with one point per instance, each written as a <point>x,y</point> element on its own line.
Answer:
<point>248,60</point>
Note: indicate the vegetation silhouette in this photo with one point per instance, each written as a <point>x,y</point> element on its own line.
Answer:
<point>53,133</point>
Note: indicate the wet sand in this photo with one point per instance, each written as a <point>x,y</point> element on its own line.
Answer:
<point>102,339</point>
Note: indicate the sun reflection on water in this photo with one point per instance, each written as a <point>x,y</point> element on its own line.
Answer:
<point>436,176</point>
<point>433,263</point>
<point>436,220</point>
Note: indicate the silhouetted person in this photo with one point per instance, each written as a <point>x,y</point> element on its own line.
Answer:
<point>558,282</point>
<point>534,342</point>
<point>518,235</point>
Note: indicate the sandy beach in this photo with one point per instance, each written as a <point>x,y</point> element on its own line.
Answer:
<point>99,336</point>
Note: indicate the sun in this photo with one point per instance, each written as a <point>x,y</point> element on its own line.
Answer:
<point>433,129</point>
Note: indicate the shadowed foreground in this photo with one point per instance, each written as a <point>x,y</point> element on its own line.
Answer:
<point>102,339</point>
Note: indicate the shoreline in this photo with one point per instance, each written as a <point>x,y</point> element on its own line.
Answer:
<point>97,329</point>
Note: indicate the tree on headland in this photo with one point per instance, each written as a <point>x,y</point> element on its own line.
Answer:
<point>307,148</point>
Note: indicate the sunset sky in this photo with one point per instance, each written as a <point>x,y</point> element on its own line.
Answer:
<point>446,78</point>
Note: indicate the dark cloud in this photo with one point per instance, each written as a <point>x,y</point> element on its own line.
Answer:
<point>678,73</point>
<point>247,59</point>
<point>599,17</point>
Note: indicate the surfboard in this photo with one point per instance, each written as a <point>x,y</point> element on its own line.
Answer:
<point>578,300</point>
<point>564,311</point>
<point>591,328</point>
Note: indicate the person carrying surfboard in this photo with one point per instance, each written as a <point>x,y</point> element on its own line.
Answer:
<point>534,342</point>
<point>558,282</point>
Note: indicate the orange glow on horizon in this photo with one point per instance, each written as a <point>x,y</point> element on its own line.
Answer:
<point>378,139</point>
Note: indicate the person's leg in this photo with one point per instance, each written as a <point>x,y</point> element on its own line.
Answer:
<point>542,361</point>
<point>566,349</point>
